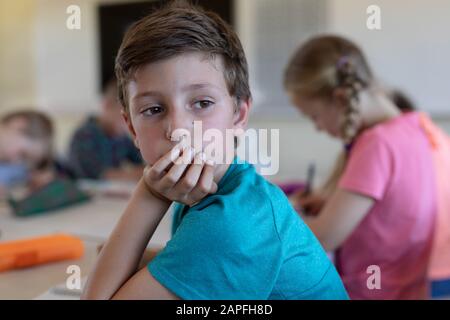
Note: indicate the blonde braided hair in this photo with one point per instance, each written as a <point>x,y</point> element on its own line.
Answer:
<point>319,67</point>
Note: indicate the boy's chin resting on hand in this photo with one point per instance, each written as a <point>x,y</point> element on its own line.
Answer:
<point>186,179</point>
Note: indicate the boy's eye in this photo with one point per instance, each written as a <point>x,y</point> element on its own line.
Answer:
<point>152,110</point>
<point>202,104</point>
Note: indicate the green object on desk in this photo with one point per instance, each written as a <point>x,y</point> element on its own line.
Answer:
<point>58,194</point>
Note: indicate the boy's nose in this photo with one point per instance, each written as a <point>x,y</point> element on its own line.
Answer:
<point>178,125</point>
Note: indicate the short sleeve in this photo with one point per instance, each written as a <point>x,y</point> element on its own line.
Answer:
<point>369,167</point>
<point>210,256</point>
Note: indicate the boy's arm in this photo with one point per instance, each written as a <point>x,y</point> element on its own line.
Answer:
<point>143,286</point>
<point>114,275</point>
<point>119,259</point>
<point>149,255</point>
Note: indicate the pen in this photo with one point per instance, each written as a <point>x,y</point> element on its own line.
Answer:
<point>310,178</point>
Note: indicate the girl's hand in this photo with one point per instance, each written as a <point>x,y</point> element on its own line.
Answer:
<point>182,176</point>
<point>308,204</point>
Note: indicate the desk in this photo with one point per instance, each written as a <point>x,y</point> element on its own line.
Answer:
<point>92,222</point>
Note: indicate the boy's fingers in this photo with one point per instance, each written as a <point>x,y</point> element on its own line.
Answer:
<point>206,183</point>
<point>214,187</point>
<point>177,170</point>
<point>147,174</point>
<point>190,180</point>
<point>186,156</point>
<point>161,165</point>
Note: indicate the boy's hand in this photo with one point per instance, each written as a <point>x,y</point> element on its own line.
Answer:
<point>309,204</point>
<point>182,176</point>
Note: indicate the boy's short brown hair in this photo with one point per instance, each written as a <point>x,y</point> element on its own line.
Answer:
<point>178,28</point>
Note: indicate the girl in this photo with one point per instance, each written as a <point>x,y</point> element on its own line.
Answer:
<point>380,207</point>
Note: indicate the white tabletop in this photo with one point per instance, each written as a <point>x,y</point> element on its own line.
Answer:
<point>92,222</point>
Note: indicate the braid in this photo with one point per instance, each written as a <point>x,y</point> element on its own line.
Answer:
<point>321,65</point>
<point>348,79</point>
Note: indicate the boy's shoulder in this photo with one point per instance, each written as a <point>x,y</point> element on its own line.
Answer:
<point>243,186</point>
<point>244,197</point>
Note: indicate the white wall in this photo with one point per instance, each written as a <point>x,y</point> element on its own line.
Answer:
<point>67,61</point>
<point>17,82</point>
<point>45,64</point>
<point>412,49</point>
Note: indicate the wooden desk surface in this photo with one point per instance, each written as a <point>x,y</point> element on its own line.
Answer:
<point>92,222</point>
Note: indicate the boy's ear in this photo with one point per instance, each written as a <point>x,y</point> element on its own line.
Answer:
<point>126,118</point>
<point>241,114</point>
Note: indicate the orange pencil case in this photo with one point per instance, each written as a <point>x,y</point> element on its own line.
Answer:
<point>34,251</point>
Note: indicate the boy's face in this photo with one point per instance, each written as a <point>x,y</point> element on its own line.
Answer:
<point>171,94</point>
<point>17,147</point>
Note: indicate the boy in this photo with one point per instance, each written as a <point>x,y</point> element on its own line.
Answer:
<point>235,236</point>
<point>101,148</point>
<point>25,145</point>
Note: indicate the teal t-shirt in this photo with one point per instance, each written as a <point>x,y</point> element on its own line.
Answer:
<point>244,242</point>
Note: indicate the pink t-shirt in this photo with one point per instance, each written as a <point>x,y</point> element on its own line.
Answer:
<point>391,163</point>
<point>440,255</point>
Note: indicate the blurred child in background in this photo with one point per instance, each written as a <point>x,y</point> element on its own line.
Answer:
<point>101,148</point>
<point>313,202</point>
<point>25,149</point>
<point>381,198</point>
